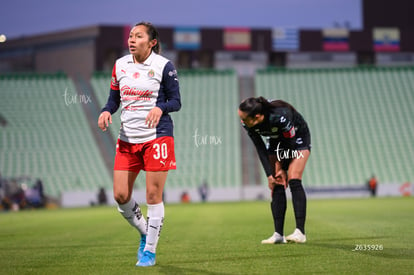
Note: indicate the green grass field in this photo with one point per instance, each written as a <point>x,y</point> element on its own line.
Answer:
<point>214,238</point>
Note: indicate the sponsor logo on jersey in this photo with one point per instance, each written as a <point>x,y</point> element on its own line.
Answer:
<point>133,108</point>
<point>135,94</point>
<point>289,134</point>
<point>135,75</point>
<point>282,119</point>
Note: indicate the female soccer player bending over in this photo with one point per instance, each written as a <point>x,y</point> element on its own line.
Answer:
<point>283,159</point>
<point>146,86</point>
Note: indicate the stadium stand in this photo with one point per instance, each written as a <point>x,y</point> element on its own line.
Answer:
<point>361,120</point>
<point>47,136</point>
<point>207,129</point>
<point>100,82</point>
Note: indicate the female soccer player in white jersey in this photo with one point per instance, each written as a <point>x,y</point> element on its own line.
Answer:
<point>284,158</point>
<point>145,84</point>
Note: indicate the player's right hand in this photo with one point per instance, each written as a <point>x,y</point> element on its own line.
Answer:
<point>104,120</point>
<point>280,178</point>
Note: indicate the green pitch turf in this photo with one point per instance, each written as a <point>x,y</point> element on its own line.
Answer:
<point>345,236</point>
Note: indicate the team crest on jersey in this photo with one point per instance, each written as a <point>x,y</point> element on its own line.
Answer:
<point>135,75</point>
<point>151,73</point>
<point>274,129</point>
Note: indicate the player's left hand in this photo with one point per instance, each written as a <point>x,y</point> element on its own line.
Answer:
<point>280,178</point>
<point>153,117</point>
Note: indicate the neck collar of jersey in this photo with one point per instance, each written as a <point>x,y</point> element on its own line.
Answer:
<point>148,61</point>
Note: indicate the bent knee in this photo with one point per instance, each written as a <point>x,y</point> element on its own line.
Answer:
<point>154,197</point>
<point>122,198</point>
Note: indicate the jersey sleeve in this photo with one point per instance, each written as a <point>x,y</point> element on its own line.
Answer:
<point>114,98</point>
<point>171,89</point>
<point>284,121</point>
<point>261,151</point>
<point>114,79</point>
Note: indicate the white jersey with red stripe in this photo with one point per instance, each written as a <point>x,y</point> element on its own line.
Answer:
<point>143,86</point>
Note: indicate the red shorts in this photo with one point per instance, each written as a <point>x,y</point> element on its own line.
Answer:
<point>154,155</point>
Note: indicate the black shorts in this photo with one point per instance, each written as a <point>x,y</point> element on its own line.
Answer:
<point>287,150</point>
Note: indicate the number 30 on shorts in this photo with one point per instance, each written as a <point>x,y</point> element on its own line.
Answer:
<point>161,151</point>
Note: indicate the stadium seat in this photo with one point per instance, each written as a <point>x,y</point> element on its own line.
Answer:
<point>47,135</point>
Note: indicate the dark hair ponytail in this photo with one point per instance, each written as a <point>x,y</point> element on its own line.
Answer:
<point>153,34</point>
<point>282,104</point>
<point>260,105</point>
<point>255,105</point>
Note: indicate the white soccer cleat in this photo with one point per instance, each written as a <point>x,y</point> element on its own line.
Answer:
<point>275,238</point>
<point>297,237</point>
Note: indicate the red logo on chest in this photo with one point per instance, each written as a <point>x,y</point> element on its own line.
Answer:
<point>135,94</point>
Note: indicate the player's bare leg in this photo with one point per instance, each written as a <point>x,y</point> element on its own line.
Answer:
<point>155,182</point>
